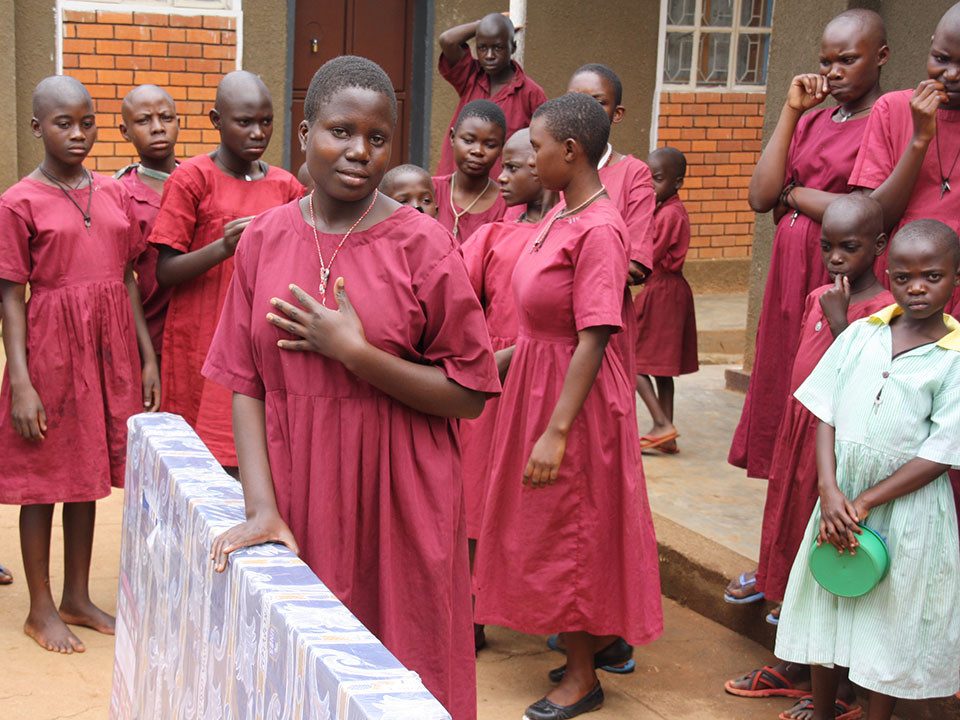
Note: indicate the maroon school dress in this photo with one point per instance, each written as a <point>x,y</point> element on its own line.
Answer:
<point>579,554</point>
<point>469,222</point>
<point>666,323</point>
<point>370,488</point>
<point>144,206</point>
<point>630,185</point>
<point>82,349</point>
<point>490,255</point>
<point>889,131</point>
<point>792,491</point>
<point>198,200</point>
<point>518,100</point>
<point>821,156</point>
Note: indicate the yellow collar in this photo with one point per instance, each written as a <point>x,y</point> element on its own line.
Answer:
<point>950,341</point>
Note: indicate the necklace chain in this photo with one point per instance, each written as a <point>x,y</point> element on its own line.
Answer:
<point>564,214</point>
<point>64,189</point>
<point>325,268</point>
<point>944,179</point>
<point>458,215</point>
<point>844,115</point>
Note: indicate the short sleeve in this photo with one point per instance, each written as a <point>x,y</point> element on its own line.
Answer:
<point>230,360</point>
<point>177,219</point>
<point>460,74</point>
<point>535,98</point>
<point>941,445</point>
<point>638,216</point>
<point>136,242</point>
<point>877,155</point>
<point>455,337</point>
<point>15,237</point>
<point>668,227</point>
<point>818,393</point>
<point>599,279</point>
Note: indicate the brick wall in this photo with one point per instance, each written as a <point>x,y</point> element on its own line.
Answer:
<point>721,135</point>
<point>111,52</point>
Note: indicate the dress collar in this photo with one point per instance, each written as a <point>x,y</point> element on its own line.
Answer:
<point>950,341</point>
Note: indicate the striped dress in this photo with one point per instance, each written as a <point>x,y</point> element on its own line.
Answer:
<point>903,637</point>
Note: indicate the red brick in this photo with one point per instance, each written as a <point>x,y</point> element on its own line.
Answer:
<point>79,46</point>
<point>727,170</point>
<point>156,19</point>
<point>185,50</point>
<point>131,32</point>
<point>191,149</point>
<point>681,145</point>
<point>726,194</point>
<point>706,121</point>
<point>218,22</point>
<point>186,21</point>
<point>759,98</point>
<point>132,62</point>
<point>709,97</point>
<point>716,157</point>
<point>167,64</point>
<point>736,229</point>
<point>84,76</point>
<point>109,106</point>
<point>693,133</point>
<point>228,66</point>
<point>694,158</point>
<point>109,134</point>
<point>201,93</point>
<point>708,253</point>
<point>694,109</point>
<point>670,109</point>
<point>187,107</point>
<point>71,60</point>
<point>732,121</point>
<point>102,91</point>
<point>142,77</point>
<point>753,146</point>
<point>203,36</point>
<point>195,122</point>
<point>79,16</point>
<point>177,93</point>
<point>168,34</point>
<point>742,157</point>
<point>718,133</point>
<point>753,121</point>
<point>668,134</point>
<point>149,49</point>
<point>114,18</point>
<point>715,182</point>
<point>228,37</point>
<point>199,65</point>
<point>114,77</point>
<point>110,165</point>
<point>218,51</point>
<point>734,97</point>
<point>718,109</point>
<point>114,47</point>
<point>211,136</point>
<point>190,136</point>
<point>703,146</point>
<point>693,183</point>
<point>710,229</point>
<point>697,242</point>
<point>744,133</point>
<point>187,79</point>
<point>748,238</point>
<point>97,61</point>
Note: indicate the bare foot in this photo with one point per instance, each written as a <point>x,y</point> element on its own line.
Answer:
<point>52,634</point>
<point>88,615</point>
<point>743,586</point>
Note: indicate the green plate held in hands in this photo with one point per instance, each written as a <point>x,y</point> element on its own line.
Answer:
<point>849,575</point>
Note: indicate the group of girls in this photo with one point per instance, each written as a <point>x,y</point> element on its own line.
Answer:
<point>858,423</point>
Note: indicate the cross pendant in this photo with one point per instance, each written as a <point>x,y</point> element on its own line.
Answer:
<point>944,187</point>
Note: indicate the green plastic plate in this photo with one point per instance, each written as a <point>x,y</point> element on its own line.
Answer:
<point>849,575</point>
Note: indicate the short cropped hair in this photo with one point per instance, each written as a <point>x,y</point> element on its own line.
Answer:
<point>606,74</point>
<point>347,71</point>
<point>934,231</point>
<point>485,110</point>
<point>580,117</point>
<point>386,185</point>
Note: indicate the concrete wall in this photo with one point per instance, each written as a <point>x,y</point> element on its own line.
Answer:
<point>8,89</point>
<point>265,52</point>
<point>34,24</point>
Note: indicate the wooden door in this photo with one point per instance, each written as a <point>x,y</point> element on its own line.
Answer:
<point>381,30</point>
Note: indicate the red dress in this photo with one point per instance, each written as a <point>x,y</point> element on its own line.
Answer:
<point>369,487</point>
<point>198,200</point>
<point>630,185</point>
<point>144,206</point>
<point>469,222</point>
<point>82,349</point>
<point>666,323</point>
<point>490,254</point>
<point>821,156</point>
<point>518,100</point>
<point>889,131</point>
<point>580,554</point>
<point>792,491</point>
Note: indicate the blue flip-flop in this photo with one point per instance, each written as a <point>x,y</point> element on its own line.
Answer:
<point>623,670</point>
<point>552,643</point>
<point>749,598</point>
<point>772,619</point>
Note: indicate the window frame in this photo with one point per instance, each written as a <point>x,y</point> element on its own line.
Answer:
<point>735,30</point>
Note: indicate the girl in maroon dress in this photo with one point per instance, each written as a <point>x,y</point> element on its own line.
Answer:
<point>804,167</point>
<point>567,539</point>
<point>666,324</point>
<point>851,240</point>
<point>74,353</point>
<point>469,197</point>
<point>345,409</point>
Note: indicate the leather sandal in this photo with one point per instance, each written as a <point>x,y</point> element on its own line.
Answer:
<point>544,709</point>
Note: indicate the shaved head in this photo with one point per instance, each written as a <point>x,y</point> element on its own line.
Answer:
<point>143,94</point>
<point>854,214</point>
<point>950,22</point>
<point>861,22</point>
<point>927,233</point>
<point>57,91</point>
<point>240,85</point>
<point>672,159</point>
<point>495,24</point>
<point>408,172</point>
<point>519,141</point>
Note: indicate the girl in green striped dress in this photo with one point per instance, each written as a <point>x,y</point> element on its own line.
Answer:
<point>887,394</point>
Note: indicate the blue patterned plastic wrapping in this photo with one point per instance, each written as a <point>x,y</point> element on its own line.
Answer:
<point>264,639</point>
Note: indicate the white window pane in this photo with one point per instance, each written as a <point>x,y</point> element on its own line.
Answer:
<point>681,12</point>
<point>717,13</point>
<point>678,58</point>
<point>752,53</point>
<point>756,13</point>
<point>712,68</point>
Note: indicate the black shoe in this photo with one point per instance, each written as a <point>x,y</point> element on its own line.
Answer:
<point>616,653</point>
<point>546,710</point>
